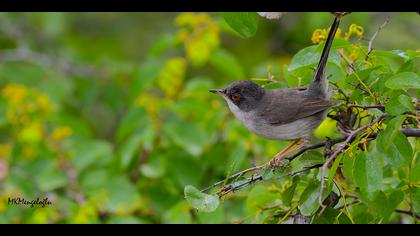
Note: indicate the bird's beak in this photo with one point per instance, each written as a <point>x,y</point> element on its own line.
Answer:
<point>217,90</point>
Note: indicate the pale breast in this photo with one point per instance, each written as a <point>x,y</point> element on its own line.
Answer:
<point>290,131</point>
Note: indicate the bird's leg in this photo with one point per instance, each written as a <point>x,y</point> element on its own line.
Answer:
<point>276,160</point>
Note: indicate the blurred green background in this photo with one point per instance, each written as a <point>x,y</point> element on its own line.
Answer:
<point>109,115</point>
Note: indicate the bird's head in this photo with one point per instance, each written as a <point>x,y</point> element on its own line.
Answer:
<point>243,94</point>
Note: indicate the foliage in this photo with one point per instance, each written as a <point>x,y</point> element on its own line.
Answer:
<point>114,122</point>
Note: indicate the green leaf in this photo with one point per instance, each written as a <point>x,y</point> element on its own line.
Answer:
<point>340,43</point>
<point>178,214</point>
<point>194,88</point>
<point>399,104</point>
<point>327,129</point>
<point>22,73</point>
<point>129,148</point>
<point>394,200</point>
<point>201,201</point>
<point>384,205</point>
<point>91,152</point>
<point>259,197</point>
<point>93,180</point>
<point>226,63</point>
<point>58,89</point>
<point>309,202</point>
<point>367,173</point>
<point>303,64</point>
<point>126,220</point>
<point>155,166</point>
<point>404,80</point>
<point>408,66</point>
<point>416,201</point>
<point>363,218</point>
<point>184,169</point>
<point>51,179</point>
<point>394,145</point>
<point>244,23</point>
<point>333,169</point>
<point>332,216</point>
<point>406,101</point>
<point>267,174</point>
<point>310,56</point>
<point>121,193</point>
<point>237,156</point>
<point>288,194</point>
<point>215,217</point>
<point>392,53</point>
<point>415,173</point>
<point>144,76</point>
<point>311,158</point>
<point>379,203</point>
<point>133,120</point>
<point>186,135</point>
<point>348,164</point>
<point>275,85</point>
<point>163,43</point>
<point>3,110</point>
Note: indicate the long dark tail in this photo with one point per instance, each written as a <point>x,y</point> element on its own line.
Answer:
<point>319,85</point>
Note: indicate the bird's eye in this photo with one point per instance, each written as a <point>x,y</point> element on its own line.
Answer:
<point>236,97</point>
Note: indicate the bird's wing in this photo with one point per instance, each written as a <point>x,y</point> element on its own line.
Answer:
<point>288,105</point>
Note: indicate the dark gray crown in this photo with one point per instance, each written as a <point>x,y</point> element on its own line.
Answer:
<point>250,94</point>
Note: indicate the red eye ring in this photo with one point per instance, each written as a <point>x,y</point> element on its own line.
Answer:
<point>236,97</point>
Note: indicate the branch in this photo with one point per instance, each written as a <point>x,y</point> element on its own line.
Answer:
<point>291,158</point>
<point>340,149</point>
<point>255,178</point>
<point>330,142</point>
<point>409,132</point>
<point>237,175</point>
<point>355,202</point>
<point>350,64</point>
<point>374,36</point>
<point>378,106</point>
<point>407,213</point>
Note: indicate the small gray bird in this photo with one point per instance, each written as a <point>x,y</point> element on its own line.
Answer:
<point>283,114</point>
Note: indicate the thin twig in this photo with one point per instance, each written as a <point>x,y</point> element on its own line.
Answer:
<point>315,146</point>
<point>409,132</point>
<point>236,186</point>
<point>370,49</point>
<point>349,204</point>
<point>291,158</point>
<point>349,63</point>
<point>378,106</point>
<point>237,175</point>
<point>407,213</point>
<point>341,91</point>
<point>340,149</point>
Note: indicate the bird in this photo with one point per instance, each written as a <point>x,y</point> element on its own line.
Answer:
<point>289,114</point>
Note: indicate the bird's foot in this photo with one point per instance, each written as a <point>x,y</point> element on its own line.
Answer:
<point>276,162</point>
<point>279,159</point>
